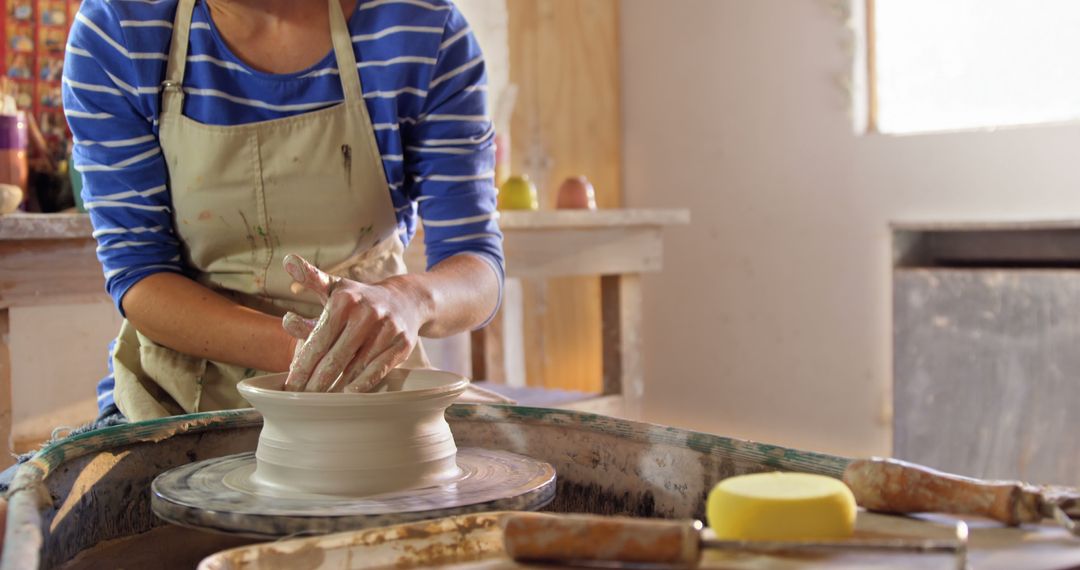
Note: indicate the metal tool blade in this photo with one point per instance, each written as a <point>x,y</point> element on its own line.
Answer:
<point>1061,504</point>
<point>957,547</point>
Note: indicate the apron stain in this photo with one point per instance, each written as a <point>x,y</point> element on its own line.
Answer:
<point>346,156</point>
<point>265,237</point>
<point>205,215</point>
<point>250,236</point>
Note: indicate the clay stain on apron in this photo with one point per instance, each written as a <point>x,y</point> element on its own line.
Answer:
<point>250,235</point>
<point>346,157</point>
<point>266,238</point>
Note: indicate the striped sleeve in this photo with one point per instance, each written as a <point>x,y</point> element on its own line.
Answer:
<point>117,152</point>
<point>450,154</point>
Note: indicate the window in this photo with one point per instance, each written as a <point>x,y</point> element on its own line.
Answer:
<point>942,65</point>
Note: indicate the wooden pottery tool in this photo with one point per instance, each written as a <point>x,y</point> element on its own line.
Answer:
<point>893,486</point>
<point>588,539</point>
<point>329,462</point>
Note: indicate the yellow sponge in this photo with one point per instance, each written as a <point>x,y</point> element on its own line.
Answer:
<point>781,506</point>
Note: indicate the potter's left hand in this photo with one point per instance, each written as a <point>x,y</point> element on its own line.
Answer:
<point>363,332</point>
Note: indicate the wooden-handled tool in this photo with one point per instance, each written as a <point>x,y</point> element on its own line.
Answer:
<point>892,486</point>
<point>884,485</point>
<point>589,538</point>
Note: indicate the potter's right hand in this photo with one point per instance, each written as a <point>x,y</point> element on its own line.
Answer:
<point>365,331</point>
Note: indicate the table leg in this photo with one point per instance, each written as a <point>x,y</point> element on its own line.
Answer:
<point>488,352</point>
<point>5,392</point>
<point>621,317</point>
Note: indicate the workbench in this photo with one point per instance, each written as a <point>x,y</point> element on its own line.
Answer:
<point>49,259</point>
<point>88,499</point>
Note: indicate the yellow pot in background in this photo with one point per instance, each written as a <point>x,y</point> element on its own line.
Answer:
<point>518,193</point>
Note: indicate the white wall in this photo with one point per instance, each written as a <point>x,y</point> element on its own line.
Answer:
<point>58,355</point>
<point>772,318</point>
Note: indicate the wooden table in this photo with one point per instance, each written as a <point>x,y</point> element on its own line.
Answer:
<point>50,259</point>
<point>45,259</point>
<point>617,245</point>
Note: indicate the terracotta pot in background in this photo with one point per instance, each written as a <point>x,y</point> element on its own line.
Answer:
<point>576,193</point>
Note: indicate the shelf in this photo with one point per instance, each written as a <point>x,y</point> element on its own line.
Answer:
<point>61,226</point>
<point>536,245</point>
<point>19,226</point>
<point>552,219</point>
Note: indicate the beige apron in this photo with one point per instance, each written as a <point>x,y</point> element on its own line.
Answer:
<point>244,197</point>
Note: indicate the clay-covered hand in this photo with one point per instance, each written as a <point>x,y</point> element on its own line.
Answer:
<point>363,332</point>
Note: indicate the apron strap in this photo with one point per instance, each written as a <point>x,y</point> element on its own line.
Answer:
<point>172,89</point>
<point>343,50</point>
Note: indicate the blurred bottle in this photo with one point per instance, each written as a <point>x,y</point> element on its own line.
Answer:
<point>76,183</point>
<point>14,169</point>
<point>504,110</point>
<point>502,159</point>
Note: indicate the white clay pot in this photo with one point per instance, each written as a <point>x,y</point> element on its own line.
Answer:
<point>348,444</point>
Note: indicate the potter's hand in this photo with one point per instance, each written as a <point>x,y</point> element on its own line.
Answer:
<point>363,332</point>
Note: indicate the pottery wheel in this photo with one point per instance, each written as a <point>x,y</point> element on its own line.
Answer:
<point>218,495</point>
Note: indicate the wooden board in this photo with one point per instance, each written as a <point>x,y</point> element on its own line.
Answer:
<point>558,246</point>
<point>50,271</point>
<point>564,58</point>
<point>19,226</point>
<point>476,541</point>
<point>6,415</point>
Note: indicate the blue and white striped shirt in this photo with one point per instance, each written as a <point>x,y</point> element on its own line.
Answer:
<point>425,88</point>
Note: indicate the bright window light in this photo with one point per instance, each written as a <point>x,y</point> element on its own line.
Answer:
<point>942,65</point>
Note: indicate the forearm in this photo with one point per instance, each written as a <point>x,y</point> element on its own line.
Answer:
<point>179,313</point>
<point>457,295</point>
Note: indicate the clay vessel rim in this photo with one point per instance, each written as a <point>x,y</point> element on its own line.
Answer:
<point>255,388</point>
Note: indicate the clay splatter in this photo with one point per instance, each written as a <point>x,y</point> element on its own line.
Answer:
<point>250,236</point>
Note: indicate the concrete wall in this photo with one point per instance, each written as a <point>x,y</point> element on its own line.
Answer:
<point>772,318</point>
